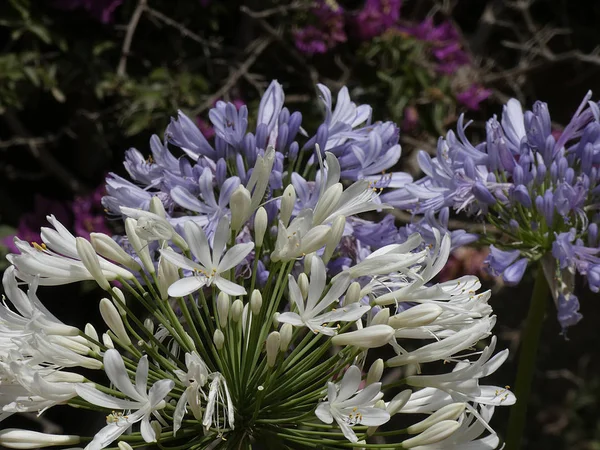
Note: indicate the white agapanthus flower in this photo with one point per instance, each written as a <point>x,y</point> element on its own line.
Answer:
<point>251,319</point>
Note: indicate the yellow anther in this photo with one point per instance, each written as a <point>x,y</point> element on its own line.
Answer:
<point>41,247</point>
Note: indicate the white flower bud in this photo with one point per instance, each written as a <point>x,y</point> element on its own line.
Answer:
<point>288,201</point>
<point>375,371</point>
<point>111,316</point>
<point>327,203</point>
<point>107,247</point>
<point>308,263</point>
<point>90,331</point>
<point>337,231</point>
<point>436,433</point>
<point>382,317</point>
<point>118,295</point>
<point>149,325</point>
<point>256,302</point>
<point>370,337</point>
<point>303,284</point>
<point>398,401</point>
<point>218,339</point>
<point>90,260</point>
<point>276,320</point>
<point>168,273</point>
<point>157,207</point>
<point>260,226</point>
<point>237,308</point>
<point>448,412</point>
<point>157,430</point>
<point>25,439</point>
<point>272,345</point>
<point>286,333</point>
<point>139,245</point>
<point>223,304</point>
<point>372,429</point>
<point>107,341</point>
<point>239,204</point>
<point>417,316</point>
<point>124,446</point>
<point>352,294</point>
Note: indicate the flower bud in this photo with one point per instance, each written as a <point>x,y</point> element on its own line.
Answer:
<point>90,331</point>
<point>168,273</point>
<point>90,260</point>
<point>337,231</point>
<point>139,246</point>
<point>382,317</point>
<point>448,412</point>
<point>119,299</point>
<point>276,320</point>
<point>106,246</point>
<point>286,333</point>
<point>308,262</point>
<point>370,337</point>
<point>218,339</point>
<point>239,205</point>
<point>157,430</point>
<point>398,401</point>
<point>256,302</point>
<point>375,372</point>
<point>237,308</point>
<point>149,325</point>
<point>435,433</point>
<point>107,341</point>
<point>417,316</point>
<point>288,201</point>
<point>25,439</point>
<point>124,446</point>
<point>223,304</point>
<point>352,294</point>
<point>372,429</point>
<point>273,344</point>
<point>157,207</point>
<point>112,318</point>
<point>261,221</point>
<point>303,284</point>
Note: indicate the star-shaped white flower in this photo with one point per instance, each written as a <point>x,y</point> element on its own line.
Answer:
<point>210,265</point>
<point>143,404</point>
<point>309,313</point>
<point>350,406</point>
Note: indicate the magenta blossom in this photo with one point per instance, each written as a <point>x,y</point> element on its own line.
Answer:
<point>376,17</point>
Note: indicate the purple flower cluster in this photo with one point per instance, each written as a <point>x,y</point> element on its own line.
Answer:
<point>82,216</point>
<point>199,185</point>
<point>325,31</point>
<point>541,190</point>
<point>101,10</point>
<point>376,17</point>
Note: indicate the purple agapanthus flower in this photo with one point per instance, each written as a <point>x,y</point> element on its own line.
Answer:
<point>540,188</point>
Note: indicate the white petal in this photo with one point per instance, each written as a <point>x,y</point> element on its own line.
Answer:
<point>141,376</point>
<point>159,391</point>
<point>322,412</point>
<point>180,260</point>
<point>95,397</point>
<point>234,256</point>
<point>147,431</point>
<point>196,239</point>
<point>115,369</point>
<point>186,286</point>
<point>349,384</point>
<point>229,287</point>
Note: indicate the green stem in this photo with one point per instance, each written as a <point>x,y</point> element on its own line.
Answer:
<point>527,358</point>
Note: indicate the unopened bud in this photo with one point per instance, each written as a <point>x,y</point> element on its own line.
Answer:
<point>273,344</point>
<point>90,260</point>
<point>223,304</point>
<point>380,404</point>
<point>218,339</point>
<point>399,401</point>
<point>124,446</point>
<point>256,302</point>
<point>417,316</point>
<point>237,308</point>
<point>157,430</point>
<point>26,439</point>
<point>149,325</point>
<point>168,273</point>
<point>288,201</point>
<point>276,320</point>
<point>239,204</point>
<point>370,337</point>
<point>435,433</point>
<point>107,341</point>
<point>107,247</point>
<point>157,207</point>
<point>112,318</point>
<point>308,262</point>
<point>286,333</point>
<point>335,235</point>
<point>91,332</point>
<point>448,412</point>
<point>382,317</point>
<point>375,371</point>
<point>352,294</point>
<point>119,300</point>
<point>260,226</point>
<point>303,284</point>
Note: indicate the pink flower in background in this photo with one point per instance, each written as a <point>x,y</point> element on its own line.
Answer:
<point>410,119</point>
<point>473,96</point>
<point>376,17</point>
<point>101,10</point>
<point>326,32</point>
<point>465,261</point>
<point>88,214</point>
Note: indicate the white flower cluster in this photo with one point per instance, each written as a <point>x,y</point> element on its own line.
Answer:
<point>221,359</point>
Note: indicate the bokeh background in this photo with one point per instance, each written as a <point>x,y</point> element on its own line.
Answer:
<point>81,81</point>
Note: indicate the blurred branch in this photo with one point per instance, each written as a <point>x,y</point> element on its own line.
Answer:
<point>283,10</point>
<point>259,46</point>
<point>39,152</point>
<point>133,23</point>
<point>185,32</point>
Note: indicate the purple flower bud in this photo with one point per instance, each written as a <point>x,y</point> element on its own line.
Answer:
<point>541,173</point>
<point>482,193</point>
<point>322,136</point>
<point>592,235</point>
<point>491,177</point>
<point>587,158</point>
<point>521,195</point>
<point>270,106</point>
<point>282,137</point>
<point>514,273</point>
<point>593,276</point>
<point>294,125</point>
<point>249,149</point>
<point>284,116</point>
<point>570,175</point>
<point>563,165</point>
<point>514,225</point>
<point>548,209</point>
<point>518,175</point>
<point>568,310</point>
<point>220,171</point>
<point>262,134</point>
<point>293,151</point>
<point>554,171</point>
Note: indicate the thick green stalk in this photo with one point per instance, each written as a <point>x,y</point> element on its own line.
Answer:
<point>527,359</point>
